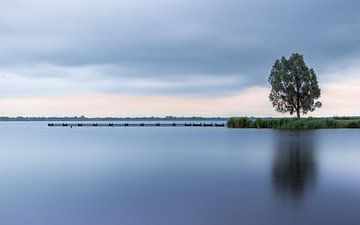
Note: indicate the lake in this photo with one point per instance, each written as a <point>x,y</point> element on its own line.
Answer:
<point>177,176</point>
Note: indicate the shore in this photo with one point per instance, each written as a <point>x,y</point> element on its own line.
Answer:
<point>294,123</point>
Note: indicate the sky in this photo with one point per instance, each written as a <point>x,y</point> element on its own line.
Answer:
<point>178,57</point>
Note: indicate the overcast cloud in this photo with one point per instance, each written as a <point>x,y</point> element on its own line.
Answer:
<point>178,47</point>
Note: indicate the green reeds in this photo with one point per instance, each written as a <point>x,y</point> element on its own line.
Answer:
<point>293,123</point>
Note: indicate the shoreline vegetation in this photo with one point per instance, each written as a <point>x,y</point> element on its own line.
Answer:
<point>294,123</point>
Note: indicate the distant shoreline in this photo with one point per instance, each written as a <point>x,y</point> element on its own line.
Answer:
<point>83,118</point>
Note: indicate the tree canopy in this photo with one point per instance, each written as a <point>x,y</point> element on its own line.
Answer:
<point>294,87</point>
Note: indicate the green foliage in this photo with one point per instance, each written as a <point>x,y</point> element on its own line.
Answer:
<point>346,118</point>
<point>293,123</point>
<point>294,87</point>
<point>353,124</point>
<point>239,122</point>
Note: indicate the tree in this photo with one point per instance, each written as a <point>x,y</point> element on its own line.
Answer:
<point>294,87</point>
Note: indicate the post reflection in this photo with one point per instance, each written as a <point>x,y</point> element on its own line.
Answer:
<point>294,164</point>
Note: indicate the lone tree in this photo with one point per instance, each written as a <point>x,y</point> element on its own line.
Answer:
<point>294,87</point>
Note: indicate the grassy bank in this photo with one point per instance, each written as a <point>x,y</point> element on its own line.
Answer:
<point>294,123</point>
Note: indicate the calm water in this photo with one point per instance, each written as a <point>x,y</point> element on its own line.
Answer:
<point>177,176</point>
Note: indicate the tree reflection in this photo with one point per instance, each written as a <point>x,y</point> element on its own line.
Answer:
<point>294,166</point>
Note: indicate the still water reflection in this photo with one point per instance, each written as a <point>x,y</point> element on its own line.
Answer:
<point>178,176</point>
<point>294,166</point>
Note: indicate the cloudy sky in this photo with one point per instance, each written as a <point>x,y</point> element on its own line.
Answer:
<point>178,57</point>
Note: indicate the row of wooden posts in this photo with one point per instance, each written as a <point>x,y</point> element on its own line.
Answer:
<point>136,124</point>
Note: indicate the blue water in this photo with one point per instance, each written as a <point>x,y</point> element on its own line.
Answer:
<point>177,176</point>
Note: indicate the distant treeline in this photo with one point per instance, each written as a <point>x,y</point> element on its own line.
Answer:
<point>294,123</point>
<point>83,118</point>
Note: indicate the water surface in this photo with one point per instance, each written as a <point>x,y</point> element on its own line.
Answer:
<point>182,175</point>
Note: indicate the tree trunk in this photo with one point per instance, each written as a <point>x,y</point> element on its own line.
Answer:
<point>298,113</point>
<point>298,104</point>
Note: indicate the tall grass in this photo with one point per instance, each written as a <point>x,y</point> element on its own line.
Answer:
<point>294,123</point>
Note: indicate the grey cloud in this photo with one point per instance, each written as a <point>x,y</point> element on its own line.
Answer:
<point>178,40</point>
